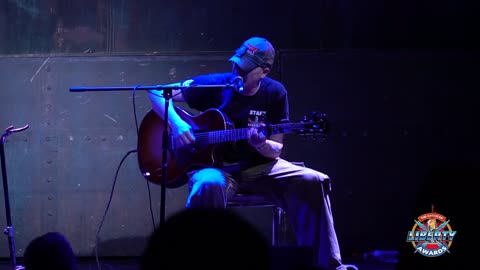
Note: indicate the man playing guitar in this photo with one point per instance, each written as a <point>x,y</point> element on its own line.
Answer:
<point>248,158</point>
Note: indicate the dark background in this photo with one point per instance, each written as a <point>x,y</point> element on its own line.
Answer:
<point>398,81</point>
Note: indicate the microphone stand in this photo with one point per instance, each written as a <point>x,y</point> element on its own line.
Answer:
<point>167,95</point>
<point>9,230</point>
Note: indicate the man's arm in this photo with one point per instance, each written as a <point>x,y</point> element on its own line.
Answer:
<point>158,103</point>
<point>179,128</point>
<point>271,147</point>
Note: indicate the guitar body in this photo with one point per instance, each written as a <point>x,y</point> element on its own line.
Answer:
<point>179,160</point>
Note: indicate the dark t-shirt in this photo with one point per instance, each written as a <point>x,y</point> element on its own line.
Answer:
<point>268,106</point>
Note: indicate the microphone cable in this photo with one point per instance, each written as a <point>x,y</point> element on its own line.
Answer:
<point>97,237</point>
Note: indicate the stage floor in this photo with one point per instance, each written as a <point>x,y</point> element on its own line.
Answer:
<point>132,263</point>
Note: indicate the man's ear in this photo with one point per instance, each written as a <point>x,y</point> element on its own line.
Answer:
<point>265,71</point>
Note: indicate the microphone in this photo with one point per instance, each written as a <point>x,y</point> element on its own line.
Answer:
<point>238,83</point>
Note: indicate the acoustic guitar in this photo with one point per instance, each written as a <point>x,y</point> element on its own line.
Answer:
<point>211,128</point>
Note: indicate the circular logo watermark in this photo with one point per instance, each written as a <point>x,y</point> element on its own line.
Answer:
<point>431,235</point>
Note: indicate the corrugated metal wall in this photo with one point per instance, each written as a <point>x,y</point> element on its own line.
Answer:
<point>61,169</point>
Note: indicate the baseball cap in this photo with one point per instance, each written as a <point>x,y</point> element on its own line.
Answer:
<point>254,52</point>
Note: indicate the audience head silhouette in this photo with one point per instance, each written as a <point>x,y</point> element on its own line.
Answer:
<point>212,238</point>
<point>50,251</point>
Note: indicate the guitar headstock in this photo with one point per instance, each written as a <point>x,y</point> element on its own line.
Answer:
<point>314,126</point>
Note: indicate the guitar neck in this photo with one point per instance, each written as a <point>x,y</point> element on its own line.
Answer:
<point>230,135</point>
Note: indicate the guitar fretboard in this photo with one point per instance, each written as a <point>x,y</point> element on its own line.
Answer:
<point>230,135</point>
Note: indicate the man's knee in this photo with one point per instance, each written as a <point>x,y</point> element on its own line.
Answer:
<point>318,179</point>
<point>209,177</point>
